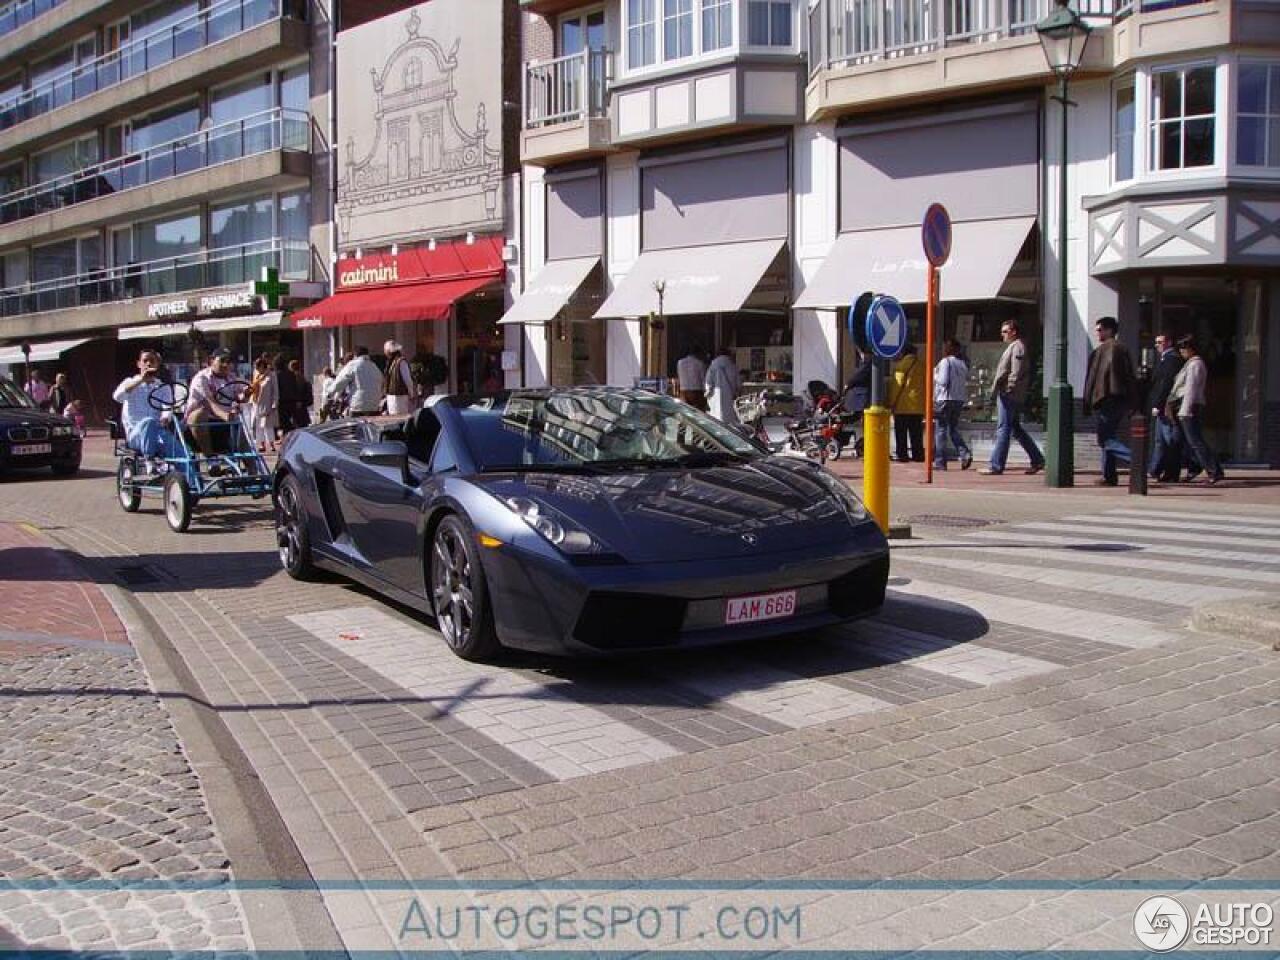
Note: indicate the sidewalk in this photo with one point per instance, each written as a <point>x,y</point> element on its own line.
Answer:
<point>94,783</point>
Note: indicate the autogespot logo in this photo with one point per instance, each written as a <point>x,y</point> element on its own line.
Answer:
<point>1161,924</point>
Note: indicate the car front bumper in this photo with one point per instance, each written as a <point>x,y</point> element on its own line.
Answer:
<point>560,607</point>
<point>66,451</point>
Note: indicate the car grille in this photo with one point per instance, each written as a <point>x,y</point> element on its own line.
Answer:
<point>861,590</point>
<point>628,621</point>
<point>22,434</point>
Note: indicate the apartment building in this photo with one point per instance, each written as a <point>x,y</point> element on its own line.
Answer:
<point>736,172</point>
<point>155,160</point>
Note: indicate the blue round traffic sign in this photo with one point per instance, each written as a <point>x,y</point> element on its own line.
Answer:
<point>886,327</point>
<point>935,234</point>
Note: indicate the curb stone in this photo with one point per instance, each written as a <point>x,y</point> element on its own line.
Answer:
<point>1245,619</point>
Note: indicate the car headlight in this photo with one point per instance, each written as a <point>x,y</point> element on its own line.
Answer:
<point>63,431</point>
<point>554,527</point>
<point>848,500</point>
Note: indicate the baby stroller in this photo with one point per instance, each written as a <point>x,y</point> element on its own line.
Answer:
<point>829,430</point>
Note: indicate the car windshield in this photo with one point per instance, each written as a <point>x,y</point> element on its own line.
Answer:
<point>11,396</point>
<point>595,430</point>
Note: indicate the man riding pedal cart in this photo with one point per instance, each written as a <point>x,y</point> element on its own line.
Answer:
<point>147,430</point>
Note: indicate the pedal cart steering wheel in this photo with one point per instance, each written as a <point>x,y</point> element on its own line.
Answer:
<point>232,392</point>
<point>169,397</point>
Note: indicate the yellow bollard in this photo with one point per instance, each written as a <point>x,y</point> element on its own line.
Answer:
<point>875,464</point>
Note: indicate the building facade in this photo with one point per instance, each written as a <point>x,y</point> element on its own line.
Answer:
<point>155,160</point>
<point>735,172</point>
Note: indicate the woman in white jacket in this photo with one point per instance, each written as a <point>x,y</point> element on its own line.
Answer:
<point>1187,401</point>
<point>266,413</point>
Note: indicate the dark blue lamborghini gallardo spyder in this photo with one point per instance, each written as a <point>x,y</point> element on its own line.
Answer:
<point>577,520</point>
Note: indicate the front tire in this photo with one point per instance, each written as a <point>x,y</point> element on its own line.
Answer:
<point>292,539</point>
<point>129,496</point>
<point>459,592</point>
<point>834,449</point>
<point>177,502</point>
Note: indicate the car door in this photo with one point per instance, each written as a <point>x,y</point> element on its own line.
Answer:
<point>384,511</point>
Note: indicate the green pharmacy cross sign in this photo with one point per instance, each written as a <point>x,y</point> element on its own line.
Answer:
<point>270,287</point>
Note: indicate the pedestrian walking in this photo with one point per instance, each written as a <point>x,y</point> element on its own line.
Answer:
<point>1009,392</point>
<point>1110,388</point>
<point>306,396</point>
<point>287,394</point>
<point>60,395</point>
<point>397,384</point>
<point>691,374</point>
<point>950,392</point>
<point>74,411</point>
<point>907,406</point>
<point>1187,400</point>
<point>721,385</point>
<point>266,404</point>
<point>363,379</point>
<point>38,390</point>
<point>1166,450</point>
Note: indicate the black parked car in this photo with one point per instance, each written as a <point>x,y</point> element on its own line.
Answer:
<point>31,437</point>
<point>585,520</point>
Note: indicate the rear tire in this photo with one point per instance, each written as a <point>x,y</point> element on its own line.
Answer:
<point>834,449</point>
<point>460,593</point>
<point>178,502</point>
<point>129,496</point>
<point>292,539</point>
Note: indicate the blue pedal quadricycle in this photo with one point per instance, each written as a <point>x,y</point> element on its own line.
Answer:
<point>232,466</point>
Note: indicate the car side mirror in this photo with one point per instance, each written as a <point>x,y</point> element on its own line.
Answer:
<point>391,453</point>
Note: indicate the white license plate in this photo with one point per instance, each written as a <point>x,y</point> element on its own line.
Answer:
<point>27,449</point>
<point>767,606</point>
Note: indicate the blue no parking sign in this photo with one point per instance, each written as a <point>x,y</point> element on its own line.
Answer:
<point>886,327</point>
<point>935,234</point>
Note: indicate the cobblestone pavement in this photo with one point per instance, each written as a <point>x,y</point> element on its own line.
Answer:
<point>1029,705</point>
<point>94,786</point>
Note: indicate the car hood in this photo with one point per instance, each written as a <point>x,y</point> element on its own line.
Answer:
<point>647,515</point>
<point>12,416</point>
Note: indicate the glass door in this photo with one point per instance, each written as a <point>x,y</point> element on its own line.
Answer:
<point>584,32</point>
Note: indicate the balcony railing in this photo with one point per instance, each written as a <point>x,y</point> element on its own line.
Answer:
<point>277,129</point>
<point>566,88</point>
<point>225,266</point>
<point>219,22</point>
<point>15,15</point>
<point>844,32</point>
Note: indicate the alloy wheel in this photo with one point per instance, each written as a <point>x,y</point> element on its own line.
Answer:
<point>451,587</point>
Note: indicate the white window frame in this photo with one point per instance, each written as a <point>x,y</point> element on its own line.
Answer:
<point>693,15</point>
<point>1153,122</point>
<point>1131,82</point>
<point>628,26</point>
<point>1272,112</point>
<point>663,60</point>
<point>702,7</point>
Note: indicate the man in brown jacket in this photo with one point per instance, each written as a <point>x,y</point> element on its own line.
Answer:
<point>1012,384</point>
<point>1109,391</point>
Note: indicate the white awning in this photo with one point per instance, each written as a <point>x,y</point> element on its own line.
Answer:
<point>550,290</point>
<point>154,331</point>
<point>40,352</point>
<point>717,278</point>
<point>891,261</point>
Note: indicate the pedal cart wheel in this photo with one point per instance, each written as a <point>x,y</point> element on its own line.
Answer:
<point>130,498</point>
<point>177,502</point>
<point>834,449</point>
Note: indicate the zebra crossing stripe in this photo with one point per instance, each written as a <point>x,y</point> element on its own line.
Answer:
<point>530,718</point>
<point>1150,523</point>
<point>777,695</point>
<point>1137,588</point>
<point>925,651</point>
<point>1129,559</point>
<point>1033,615</point>
<point>1174,542</point>
<point>1240,522</point>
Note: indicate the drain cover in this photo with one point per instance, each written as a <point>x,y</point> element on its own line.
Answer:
<point>959,523</point>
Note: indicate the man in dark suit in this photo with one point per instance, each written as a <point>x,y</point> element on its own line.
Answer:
<point>1166,452</point>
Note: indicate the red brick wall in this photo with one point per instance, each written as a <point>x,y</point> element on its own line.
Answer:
<point>539,37</point>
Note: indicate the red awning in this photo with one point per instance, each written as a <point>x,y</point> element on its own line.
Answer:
<point>431,300</point>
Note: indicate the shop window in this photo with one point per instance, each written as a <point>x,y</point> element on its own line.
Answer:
<point>641,33</point>
<point>1124,117</point>
<point>769,23</point>
<point>1182,125</point>
<point>677,29</point>
<point>1258,115</point>
<point>717,24</point>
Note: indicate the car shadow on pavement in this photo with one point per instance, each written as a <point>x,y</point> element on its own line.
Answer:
<point>144,572</point>
<point>44,475</point>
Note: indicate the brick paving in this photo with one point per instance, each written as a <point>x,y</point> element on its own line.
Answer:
<point>1057,729</point>
<point>94,786</point>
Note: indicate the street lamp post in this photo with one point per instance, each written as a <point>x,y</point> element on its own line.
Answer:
<point>1063,35</point>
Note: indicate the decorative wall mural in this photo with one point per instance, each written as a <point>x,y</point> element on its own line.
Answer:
<point>419,124</point>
